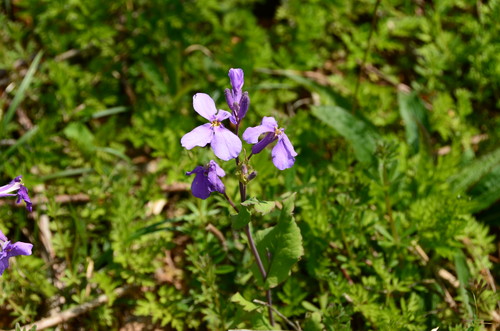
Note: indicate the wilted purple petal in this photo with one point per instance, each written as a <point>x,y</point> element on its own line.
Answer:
<point>199,136</point>
<point>10,250</point>
<point>258,147</point>
<point>204,105</point>
<point>19,248</point>
<point>216,184</point>
<point>207,180</point>
<point>4,264</point>
<point>282,156</point>
<point>218,170</point>
<point>200,186</point>
<point>23,194</point>
<point>226,145</point>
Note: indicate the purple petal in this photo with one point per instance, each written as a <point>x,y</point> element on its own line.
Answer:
<point>218,170</point>
<point>283,158</point>
<point>222,115</point>
<point>14,185</point>
<point>216,182</point>
<point>2,236</point>
<point>233,119</point>
<point>288,144</point>
<point>244,104</point>
<point>226,145</point>
<point>200,186</point>
<point>251,135</point>
<point>19,248</point>
<point>229,98</point>
<point>269,121</point>
<point>4,264</point>
<point>258,147</point>
<point>199,136</point>
<point>23,194</point>
<point>236,76</point>
<point>197,170</point>
<point>204,105</point>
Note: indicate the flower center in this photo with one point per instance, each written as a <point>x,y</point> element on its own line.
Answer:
<point>215,123</point>
<point>277,132</point>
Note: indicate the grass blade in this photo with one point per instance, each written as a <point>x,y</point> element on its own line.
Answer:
<point>22,91</point>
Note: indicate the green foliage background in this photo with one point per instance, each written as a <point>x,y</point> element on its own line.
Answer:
<point>393,109</point>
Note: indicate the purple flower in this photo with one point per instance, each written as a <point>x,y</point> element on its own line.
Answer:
<point>283,153</point>
<point>8,250</point>
<point>17,186</point>
<point>207,180</point>
<point>237,101</point>
<point>225,144</point>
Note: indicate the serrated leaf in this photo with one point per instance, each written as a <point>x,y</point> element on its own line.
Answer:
<point>244,303</point>
<point>241,219</point>
<point>358,131</point>
<point>280,247</point>
<point>260,206</point>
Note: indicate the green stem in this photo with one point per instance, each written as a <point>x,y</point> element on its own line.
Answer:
<point>388,205</point>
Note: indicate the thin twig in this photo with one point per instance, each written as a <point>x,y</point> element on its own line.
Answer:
<point>293,325</point>
<point>71,313</point>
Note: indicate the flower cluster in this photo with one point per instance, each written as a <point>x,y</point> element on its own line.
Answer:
<point>225,143</point>
<point>7,249</point>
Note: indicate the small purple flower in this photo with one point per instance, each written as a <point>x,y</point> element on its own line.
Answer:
<point>17,186</point>
<point>283,153</point>
<point>207,180</point>
<point>225,144</point>
<point>8,250</point>
<point>237,101</point>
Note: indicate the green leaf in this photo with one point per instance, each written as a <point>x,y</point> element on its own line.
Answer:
<point>26,137</point>
<point>414,115</point>
<point>481,179</point>
<point>241,219</point>
<point>309,306</point>
<point>22,90</point>
<point>79,134</point>
<point>260,206</point>
<point>463,277</point>
<point>280,247</point>
<point>313,323</point>
<point>109,112</point>
<point>244,303</point>
<point>224,269</point>
<point>360,133</point>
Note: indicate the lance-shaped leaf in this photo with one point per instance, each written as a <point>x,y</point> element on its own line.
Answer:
<point>280,247</point>
<point>415,119</point>
<point>362,135</point>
